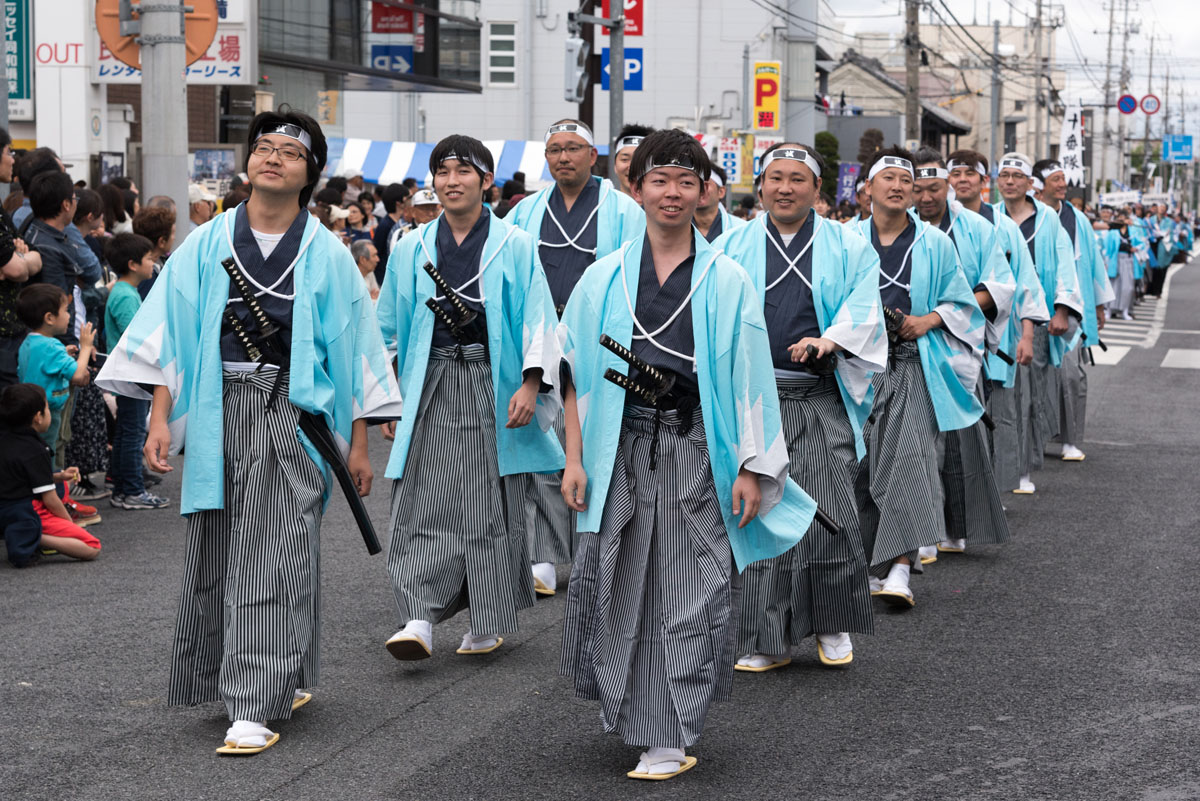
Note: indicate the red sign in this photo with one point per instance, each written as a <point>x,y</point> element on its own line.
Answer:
<point>389,19</point>
<point>633,16</point>
<point>1151,104</point>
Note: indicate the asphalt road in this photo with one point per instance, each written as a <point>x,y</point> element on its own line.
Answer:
<point>1059,666</point>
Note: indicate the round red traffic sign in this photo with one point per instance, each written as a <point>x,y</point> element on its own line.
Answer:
<point>1151,104</point>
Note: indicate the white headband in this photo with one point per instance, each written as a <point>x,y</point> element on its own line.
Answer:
<point>683,164</point>
<point>570,127</point>
<point>288,130</point>
<point>890,161</point>
<point>954,165</point>
<point>925,173</point>
<point>793,154</point>
<point>626,141</point>
<point>1037,184</point>
<point>858,187</point>
<point>1017,164</point>
<point>468,159</point>
<point>715,177</point>
<point>1051,169</point>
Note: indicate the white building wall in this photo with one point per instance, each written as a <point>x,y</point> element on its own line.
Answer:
<point>692,73</point>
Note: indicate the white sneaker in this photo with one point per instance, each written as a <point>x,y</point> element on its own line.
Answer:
<point>1072,454</point>
<point>544,578</point>
<point>896,591</point>
<point>835,649</point>
<point>952,546</point>
<point>414,641</point>
<point>928,554</point>
<point>1025,487</point>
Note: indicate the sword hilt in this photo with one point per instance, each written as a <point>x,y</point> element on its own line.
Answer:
<point>644,367</point>
<point>243,338</point>
<point>625,382</point>
<point>465,315</point>
<point>238,279</point>
<point>443,315</point>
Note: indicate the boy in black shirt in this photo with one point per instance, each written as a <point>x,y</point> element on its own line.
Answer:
<point>25,474</point>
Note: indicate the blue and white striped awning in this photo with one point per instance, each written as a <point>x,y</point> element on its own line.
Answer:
<point>391,162</point>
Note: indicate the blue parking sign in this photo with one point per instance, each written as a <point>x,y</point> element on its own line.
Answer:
<point>633,69</point>
<point>392,58</point>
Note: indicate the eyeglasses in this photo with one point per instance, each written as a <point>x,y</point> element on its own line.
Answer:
<point>556,151</point>
<point>286,152</point>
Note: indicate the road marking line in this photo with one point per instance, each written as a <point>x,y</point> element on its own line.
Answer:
<point>1112,356</point>
<point>1181,358</point>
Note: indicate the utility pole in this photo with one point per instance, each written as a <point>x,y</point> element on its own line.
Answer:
<point>912,62</point>
<point>164,102</point>
<point>616,78</point>
<point>799,71</point>
<point>994,155</point>
<point>1122,160</point>
<point>1108,98</point>
<point>1146,135</point>
<point>1037,82</point>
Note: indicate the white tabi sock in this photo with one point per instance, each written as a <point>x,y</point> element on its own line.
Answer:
<point>761,660</point>
<point>248,734</point>
<point>897,580</point>
<point>544,572</point>
<point>836,646</point>
<point>421,629</point>
<point>660,760</point>
<point>470,642</point>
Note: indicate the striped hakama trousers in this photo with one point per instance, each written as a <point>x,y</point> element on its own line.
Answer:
<point>898,486</point>
<point>1073,395</point>
<point>652,607</point>
<point>1011,411</point>
<point>1124,285</point>
<point>820,585</point>
<point>458,527</point>
<point>248,625</point>
<point>974,511</point>
<point>550,523</point>
<point>1043,394</point>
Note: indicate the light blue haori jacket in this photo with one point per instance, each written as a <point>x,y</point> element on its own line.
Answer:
<point>1054,258</point>
<point>728,221</point>
<point>339,367</point>
<point>1143,254</point>
<point>1110,249</point>
<point>520,330</point>
<point>1094,287</point>
<point>845,289</point>
<point>952,355</point>
<point>618,217</point>
<point>983,263</point>
<point>1028,302</point>
<point>738,397</point>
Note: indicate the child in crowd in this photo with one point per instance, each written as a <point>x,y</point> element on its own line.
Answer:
<point>47,362</point>
<point>131,257</point>
<point>27,483</point>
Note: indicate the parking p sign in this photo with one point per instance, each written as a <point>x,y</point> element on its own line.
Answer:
<point>633,69</point>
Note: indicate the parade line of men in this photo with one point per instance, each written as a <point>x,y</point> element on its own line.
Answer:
<point>735,432</point>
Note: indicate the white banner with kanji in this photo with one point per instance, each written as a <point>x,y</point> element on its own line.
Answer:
<point>1070,144</point>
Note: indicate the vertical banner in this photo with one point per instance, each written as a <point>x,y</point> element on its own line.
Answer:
<point>848,173</point>
<point>761,143</point>
<point>18,59</point>
<point>766,94</point>
<point>729,158</point>
<point>1070,144</point>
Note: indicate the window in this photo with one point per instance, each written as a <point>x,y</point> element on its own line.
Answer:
<point>502,53</point>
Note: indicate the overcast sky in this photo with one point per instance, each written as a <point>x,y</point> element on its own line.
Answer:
<point>1173,21</point>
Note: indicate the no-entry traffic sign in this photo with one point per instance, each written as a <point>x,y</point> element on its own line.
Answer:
<point>1151,104</point>
<point>1127,104</point>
